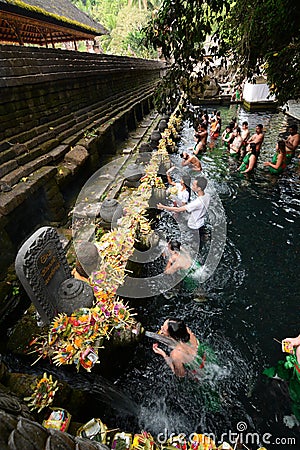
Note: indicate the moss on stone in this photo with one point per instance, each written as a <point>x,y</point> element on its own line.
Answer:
<point>43,11</point>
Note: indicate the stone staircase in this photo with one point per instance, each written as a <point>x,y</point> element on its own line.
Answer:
<point>61,112</point>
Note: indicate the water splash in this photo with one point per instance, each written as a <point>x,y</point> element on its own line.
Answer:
<point>169,342</point>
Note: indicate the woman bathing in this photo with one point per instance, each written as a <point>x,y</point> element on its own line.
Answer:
<point>278,163</point>
<point>187,352</point>
<point>179,258</point>
<point>183,190</point>
<point>249,160</point>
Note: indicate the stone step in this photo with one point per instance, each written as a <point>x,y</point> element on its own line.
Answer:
<point>49,124</point>
<point>25,170</point>
<point>69,134</point>
<point>10,200</point>
<point>21,75</point>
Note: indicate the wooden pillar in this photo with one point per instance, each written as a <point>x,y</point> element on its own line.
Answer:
<point>52,42</point>
<point>16,27</point>
<point>43,32</point>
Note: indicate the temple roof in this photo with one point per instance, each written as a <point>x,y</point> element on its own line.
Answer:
<point>45,21</point>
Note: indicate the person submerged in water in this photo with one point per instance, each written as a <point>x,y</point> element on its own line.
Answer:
<point>190,161</point>
<point>188,354</point>
<point>201,140</point>
<point>257,138</point>
<point>292,142</point>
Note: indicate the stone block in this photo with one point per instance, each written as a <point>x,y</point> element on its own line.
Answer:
<point>19,149</point>
<point>7,167</point>
<point>58,152</point>
<point>14,176</point>
<point>41,266</point>
<point>78,155</point>
<point>4,145</point>
<point>30,156</point>
<point>10,200</point>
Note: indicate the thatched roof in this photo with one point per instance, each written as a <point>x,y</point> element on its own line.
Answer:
<point>45,21</point>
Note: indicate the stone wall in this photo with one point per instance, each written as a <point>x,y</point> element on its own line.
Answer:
<point>61,112</point>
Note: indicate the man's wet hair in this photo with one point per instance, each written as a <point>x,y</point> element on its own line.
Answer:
<point>253,148</point>
<point>178,330</point>
<point>293,127</point>
<point>174,245</point>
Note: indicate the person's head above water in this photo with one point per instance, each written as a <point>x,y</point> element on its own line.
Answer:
<point>293,129</point>
<point>176,329</point>
<point>280,147</point>
<point>184,155</point>
<point>174,245</point>
<point>253,148</point>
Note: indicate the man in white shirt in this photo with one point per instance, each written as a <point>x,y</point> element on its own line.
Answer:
<point>197,208</point>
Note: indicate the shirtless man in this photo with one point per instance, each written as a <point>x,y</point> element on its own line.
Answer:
<point>179,258</point>
<point>245,136</point>
<point>191,160</point>
<point>202,135</point>
<point>257,138</point>
<point>245,131</point>
<point>292,142</point>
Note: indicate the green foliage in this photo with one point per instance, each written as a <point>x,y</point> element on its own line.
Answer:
<point>264,36</point>
<point>127,34</point>
<point>250,35</point>
<point>135,42</point>
<point>124,20</point>
<point>106,12</point>
<point>180,29</point>
<point>15,290</point>
<point>99,233</point>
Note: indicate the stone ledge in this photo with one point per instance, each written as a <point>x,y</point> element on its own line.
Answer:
<point>15,176</point>
<point>8,167</point>
<point>59,152</point>
<point>77,156</point>
<point>10,200</point>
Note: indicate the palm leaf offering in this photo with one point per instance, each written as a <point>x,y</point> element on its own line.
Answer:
<point>76,339</point>
<point>143,441</point>
<point>43,393</point>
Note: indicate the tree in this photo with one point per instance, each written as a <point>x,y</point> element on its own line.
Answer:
<point>124,20</point>
<point>126,35</point>
<point>252,35</point>
<point>264,37</point>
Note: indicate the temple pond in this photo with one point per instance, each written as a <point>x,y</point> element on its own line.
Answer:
<point>250,299</point>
